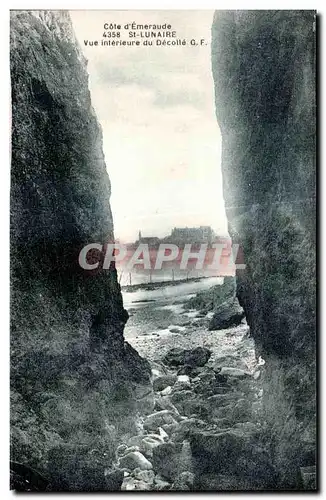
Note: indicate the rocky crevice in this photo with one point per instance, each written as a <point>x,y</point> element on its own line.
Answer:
<point>215,425</point>
<point>206,433</point>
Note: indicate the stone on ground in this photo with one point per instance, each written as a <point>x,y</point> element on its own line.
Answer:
<point>228,314</point>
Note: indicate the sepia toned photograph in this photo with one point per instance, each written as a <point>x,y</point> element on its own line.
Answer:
<point>163,251</point>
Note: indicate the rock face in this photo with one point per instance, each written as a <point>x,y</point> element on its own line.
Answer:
<point>264,72</point>
<point>72,373</point>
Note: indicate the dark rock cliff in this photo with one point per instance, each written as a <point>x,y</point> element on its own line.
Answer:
<point>264,72</point>
<point>72,374</point>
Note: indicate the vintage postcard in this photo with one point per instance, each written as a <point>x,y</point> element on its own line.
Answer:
<point>163,250</point>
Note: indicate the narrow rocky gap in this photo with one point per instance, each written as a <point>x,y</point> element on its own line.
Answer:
<point>178,394</point>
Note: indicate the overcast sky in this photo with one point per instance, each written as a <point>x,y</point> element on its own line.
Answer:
<point>161,141</point>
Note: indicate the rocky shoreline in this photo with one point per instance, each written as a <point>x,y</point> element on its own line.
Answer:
<point>208,430</point>
<point>204,431</point>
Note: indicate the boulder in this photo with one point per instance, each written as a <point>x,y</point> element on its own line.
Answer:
<point>133,460</point>
<point>197,357</point>
<point>228,314</point>
<point>205,373</point>
<point>174,357</point>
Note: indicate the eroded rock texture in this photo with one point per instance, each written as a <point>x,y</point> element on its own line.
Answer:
<point>72,375</point>
<point>264,72</point>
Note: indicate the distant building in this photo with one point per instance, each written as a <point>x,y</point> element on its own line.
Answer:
<point>180,236</point>
<point>152,241</point>
<point>202,234</point>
